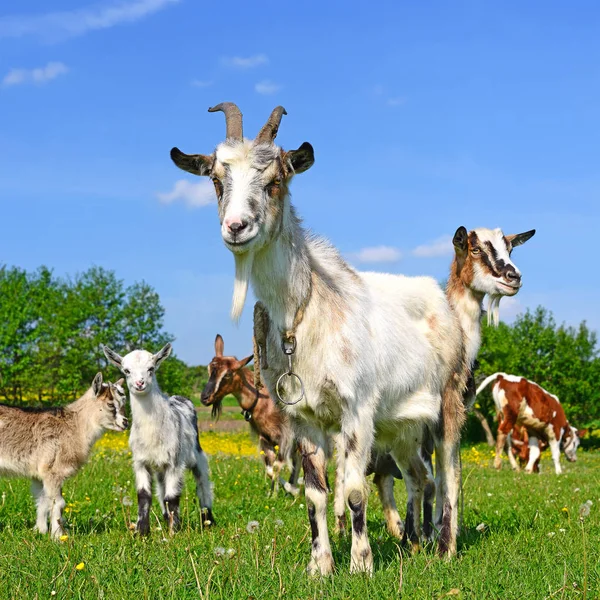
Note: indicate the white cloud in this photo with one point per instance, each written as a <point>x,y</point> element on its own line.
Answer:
<point>245,62</point>
<point>377,254</point>
<point>201,83</point>
<point>38,75</point>
<point>442,246</point>
<point>397,101</point>
<point>193,194</point>
<point>267,87</point>
<point>70,23</point>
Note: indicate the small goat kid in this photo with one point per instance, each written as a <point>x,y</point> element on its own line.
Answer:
<point>227,375</point>
<point>380,356</point>
<point>163,440</point>
<point>49,445</point>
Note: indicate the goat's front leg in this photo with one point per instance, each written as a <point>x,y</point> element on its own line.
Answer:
<point>314,462</point>
<point>385,487</point>
<point>53,492</point>
<point>291,486</point>
<point>173,487</point>
<point>357,439</point>
<point>143,484</point>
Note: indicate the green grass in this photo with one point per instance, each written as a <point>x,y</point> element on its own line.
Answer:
<point>534,546</point>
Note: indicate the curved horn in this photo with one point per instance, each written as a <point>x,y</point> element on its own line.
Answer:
<point>233,119</point>
<point>269,131</point>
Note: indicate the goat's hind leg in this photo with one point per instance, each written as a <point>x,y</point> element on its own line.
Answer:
<point>291,486</point>
<point>204,492</point>
<point>42,506</point>
<point>173,487</point>
<point>429,492</point>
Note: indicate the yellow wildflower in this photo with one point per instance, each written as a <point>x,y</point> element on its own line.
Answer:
<point>80,566</point>
<point>63,538</point>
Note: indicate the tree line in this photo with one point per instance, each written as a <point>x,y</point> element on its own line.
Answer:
<point>52,330</point>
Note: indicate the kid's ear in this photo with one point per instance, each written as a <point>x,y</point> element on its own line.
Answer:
<point>97,384</point>
<point>163,353</point>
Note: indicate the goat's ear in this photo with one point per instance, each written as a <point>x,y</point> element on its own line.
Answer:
<point>197,164</point>
<point>163,353</point>
<point>120,382</point>
<point>516,239</point>
<point>97,384</point>
<point>112,357</point>
<point>244,361</point>
<point>301,159</point>
<point>461,240</point>
<point>219,345</point>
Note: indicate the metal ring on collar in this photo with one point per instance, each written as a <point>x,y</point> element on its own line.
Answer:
<point>278,386</point>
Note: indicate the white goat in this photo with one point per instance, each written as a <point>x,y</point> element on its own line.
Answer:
<point>163,440</point>
<point>49,445</point>
<point>380,356</point>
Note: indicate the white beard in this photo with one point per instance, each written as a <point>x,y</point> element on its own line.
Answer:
<point>243,270</point>
<point>493,311</point>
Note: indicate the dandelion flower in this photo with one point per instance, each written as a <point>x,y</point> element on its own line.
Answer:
<point>219,551</point>
<point>80,566</point>
<point>276,448</point>
<point>564,509</point>
<point>481,527</point>
<point>63,538</point>
<point>231,552</point>
<point>252,526</point>
<point>127,501</point>
<point>262,452</point>
<point>278,523</point>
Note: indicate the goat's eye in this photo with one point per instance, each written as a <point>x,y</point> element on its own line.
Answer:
<point>126,371</point>
<point>476,251</point>
<point>150,369</point>
<point>273,187</point>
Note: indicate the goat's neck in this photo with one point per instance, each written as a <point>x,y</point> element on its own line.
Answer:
<point>147,406</point>
<point>87,422</point>
<point>466,302</point>
<point>281,274</point>
<point>245,392</point>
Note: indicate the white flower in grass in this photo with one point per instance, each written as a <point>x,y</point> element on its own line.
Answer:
<point>278,523</point>
<point>551,533</point>
<point>562,530</point>
<point>481,527</point>
<point>127,501</point>
<point>252,526</point>
<point>584,509</point>
<point>219,551</point>
<point>231,552</point>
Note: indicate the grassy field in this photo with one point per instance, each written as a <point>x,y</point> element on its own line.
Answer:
<point>533,543</point>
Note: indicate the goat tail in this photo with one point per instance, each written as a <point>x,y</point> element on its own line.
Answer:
<point>487,382</point>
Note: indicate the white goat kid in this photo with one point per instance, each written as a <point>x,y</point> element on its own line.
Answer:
<point>163,440</point>
<point>49,445</point>
<point>380,356</point>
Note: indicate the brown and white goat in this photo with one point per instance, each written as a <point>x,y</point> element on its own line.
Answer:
<point>49,445</point>
<point>228,375</point>
<point>380,356</point>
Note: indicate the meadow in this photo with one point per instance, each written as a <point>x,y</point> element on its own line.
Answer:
<point>523,536</point>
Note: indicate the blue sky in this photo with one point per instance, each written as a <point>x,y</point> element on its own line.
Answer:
<point>423,116</point>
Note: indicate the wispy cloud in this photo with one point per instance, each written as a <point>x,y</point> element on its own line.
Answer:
<point>377,254</point>
<point>53,26</point>
<point>397,101</point>
<point>441,246</point>
<point>267,87</point>
<point>245,62</point>
<point>38,75</point>
<point>192,194</point>
<point>201,83</point>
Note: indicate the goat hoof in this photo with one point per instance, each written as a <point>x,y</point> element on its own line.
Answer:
<point>321,567</point>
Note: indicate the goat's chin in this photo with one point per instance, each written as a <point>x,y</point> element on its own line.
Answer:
<point>243,270</point>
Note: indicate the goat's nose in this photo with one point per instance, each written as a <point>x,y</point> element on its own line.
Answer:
<point>139,383</point>
<point>237,225</point>
<point>125,423</point>
<point>512,276</point>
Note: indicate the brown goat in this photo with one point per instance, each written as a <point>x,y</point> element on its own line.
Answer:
<point>228,375</point>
